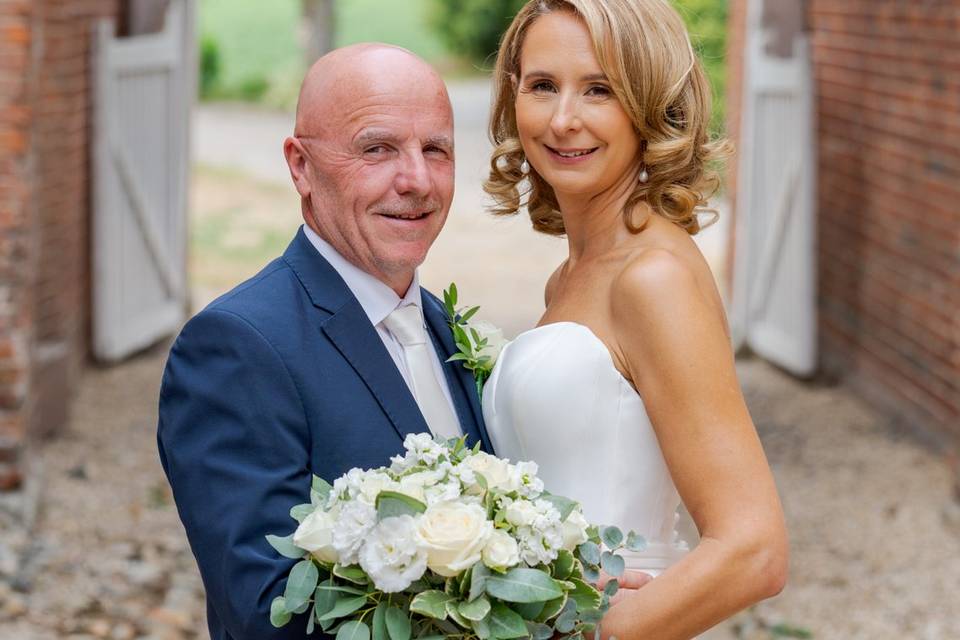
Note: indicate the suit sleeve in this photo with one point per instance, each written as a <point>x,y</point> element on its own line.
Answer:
<point>234,442</point>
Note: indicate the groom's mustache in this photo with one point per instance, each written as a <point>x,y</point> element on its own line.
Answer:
<point>408,207</point>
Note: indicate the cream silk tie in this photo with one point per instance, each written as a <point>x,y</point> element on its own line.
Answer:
<point>406,325</point>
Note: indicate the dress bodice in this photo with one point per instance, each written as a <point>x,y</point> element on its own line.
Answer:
<point>556,398</point>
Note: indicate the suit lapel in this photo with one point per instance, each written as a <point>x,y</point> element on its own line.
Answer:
<point>350,331</point>
<point>460,381</point>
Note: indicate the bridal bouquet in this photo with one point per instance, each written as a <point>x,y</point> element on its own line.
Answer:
<point>447,541</point>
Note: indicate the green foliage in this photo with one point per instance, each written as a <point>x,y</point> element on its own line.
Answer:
<point>707,23</point>
<point>472,28</point>
<point>209,65</point>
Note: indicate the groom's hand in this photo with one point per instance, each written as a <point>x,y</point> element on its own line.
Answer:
<point>630,581</point>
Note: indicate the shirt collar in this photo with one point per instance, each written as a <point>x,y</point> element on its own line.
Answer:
<point>376,298</point>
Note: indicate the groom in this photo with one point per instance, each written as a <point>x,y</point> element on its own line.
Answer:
<point>328,357</point>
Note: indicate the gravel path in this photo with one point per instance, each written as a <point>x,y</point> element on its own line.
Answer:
<point>875,535</point>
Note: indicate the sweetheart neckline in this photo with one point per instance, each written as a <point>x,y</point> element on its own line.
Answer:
<point>596,339</point>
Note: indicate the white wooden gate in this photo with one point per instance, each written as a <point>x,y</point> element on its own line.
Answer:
<point>774,288</point>
<point>144,91</point>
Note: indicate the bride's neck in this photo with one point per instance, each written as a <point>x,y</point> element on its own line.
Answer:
<point>594,224</point>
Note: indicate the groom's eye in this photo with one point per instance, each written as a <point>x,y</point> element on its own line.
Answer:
<point>435,150</point>
<point>376,150</point>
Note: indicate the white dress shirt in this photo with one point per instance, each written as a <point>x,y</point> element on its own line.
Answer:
<point>378,301</point>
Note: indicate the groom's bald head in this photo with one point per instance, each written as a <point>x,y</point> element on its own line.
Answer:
<point>372,157</point>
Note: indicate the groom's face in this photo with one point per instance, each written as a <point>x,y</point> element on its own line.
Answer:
<point>381,168</point>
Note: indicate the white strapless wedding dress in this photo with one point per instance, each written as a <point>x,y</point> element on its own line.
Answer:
<point>556,398</point>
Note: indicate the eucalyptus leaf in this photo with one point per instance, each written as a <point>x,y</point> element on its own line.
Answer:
<point>279,616</point>
<point>523,585</point>
<point>564,505</point>
<point>432,604</point>
<point>351,573</point>
<point>398,624</point>
<point>566,622</point>
<point>300,585</point>
<point>612,537</point>
<point>353,630</point>
<point>324,598</point>
<point>285,547</point>
<point>585,595</point>
<point>591,574</point>
<point>475,610</point>
<point>539,631</point>
<point>393,503</point>
<point>635,542</point>
<point>301,511</point>
<point>344,606</point>
<point>589,553</point>
<point>506,623</point>
<point>380,622</point>
<point>478,579</point>
<point>563,565</point>
<point>610,589</point>
<point>612,564</point>
<point>482,628</point>
<point>312,620</point>
<point>302,608</point>
<point>341,588</point>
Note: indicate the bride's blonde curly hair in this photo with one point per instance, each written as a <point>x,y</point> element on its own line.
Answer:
<point>644,49</point>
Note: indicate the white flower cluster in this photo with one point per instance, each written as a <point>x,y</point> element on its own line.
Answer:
<point>451,492</point>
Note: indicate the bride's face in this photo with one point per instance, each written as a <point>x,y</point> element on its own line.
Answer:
<point>573,129</point>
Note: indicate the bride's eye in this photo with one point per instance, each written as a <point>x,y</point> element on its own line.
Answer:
<point>540,86</point>
<point>599,91</point>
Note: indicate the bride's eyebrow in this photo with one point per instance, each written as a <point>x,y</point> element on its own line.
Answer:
<point>546,75</point>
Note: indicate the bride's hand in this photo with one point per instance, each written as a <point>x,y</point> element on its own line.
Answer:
<point>630,581</point>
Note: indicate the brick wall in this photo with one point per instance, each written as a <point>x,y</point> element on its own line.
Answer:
<point>736,34</point>
<point>887,77</point>
<point>887,83</point>
<point>45,116</point>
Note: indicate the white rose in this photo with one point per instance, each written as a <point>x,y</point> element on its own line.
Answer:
<point>315,534</point>
<point>393,556</point>
<point>454,535</point>
<point>497,472</point>
<point>501,552</point>
<point>494,336</point>
<point>574,530</point>
<point>521,513</point>
<point>372,484</point>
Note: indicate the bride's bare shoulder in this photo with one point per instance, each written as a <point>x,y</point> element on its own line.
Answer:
<point>552,282</point>
<point>655,283</point>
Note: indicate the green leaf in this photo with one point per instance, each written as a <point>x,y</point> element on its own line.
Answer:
<point>301,511</point>
<point>589,553</point>
<point>353,630</point>
<point>636,542</point>
<point>344,606</point>
<point>312,620</point>
<point>563,565</point>
<point>585,595</point>
<point>285,547</point>
<point>591,574</point>
<point>523,585</point>
<point>324,598</point>
<point>301,584</point>
<point>453,293</point>
<point>458,357</point>
<point>539,631</point>
<point>612,564</point>
<point>564,505</point>
<point>610,589</point>
<point>341,588</point>
<point>528,610</point>
<point>552,608</point>
<point>566,621</point>
<point>506,623</point>
<point>469,314</point>
<point>475,610</point>
<point>478,581</point>
<point>612,537</point>
<point>380,621</point>
<point>454,612</point>
<point>482,628</point>
<point>432,604</point>
<point>392,503</point>
<point>788,631</point>
<point>321,487</point>
<point>279,615</point>
<point>351,573</point>
<point>398,624</point>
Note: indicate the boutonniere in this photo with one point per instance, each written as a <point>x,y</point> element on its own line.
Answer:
<point>479,343</point>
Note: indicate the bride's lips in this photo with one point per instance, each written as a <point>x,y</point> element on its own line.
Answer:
<point>570,155</point>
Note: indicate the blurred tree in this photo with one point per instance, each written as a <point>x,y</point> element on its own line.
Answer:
<point>318,24</point>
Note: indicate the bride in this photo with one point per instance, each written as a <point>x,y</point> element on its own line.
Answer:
<point>626,395</point>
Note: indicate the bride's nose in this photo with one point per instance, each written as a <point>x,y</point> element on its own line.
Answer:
<point>566,115</point>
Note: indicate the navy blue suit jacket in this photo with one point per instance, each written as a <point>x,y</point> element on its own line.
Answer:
<point>279,379</point>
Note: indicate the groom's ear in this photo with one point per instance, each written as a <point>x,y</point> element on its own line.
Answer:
<point>297,163</point>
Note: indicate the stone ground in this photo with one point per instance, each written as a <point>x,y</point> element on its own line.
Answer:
<point>873,519</point>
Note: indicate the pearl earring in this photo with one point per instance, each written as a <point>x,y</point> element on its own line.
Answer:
<point>644,176</point>
<point>524,167</point>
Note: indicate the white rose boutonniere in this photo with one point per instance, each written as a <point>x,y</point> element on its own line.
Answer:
<point>479,342</point>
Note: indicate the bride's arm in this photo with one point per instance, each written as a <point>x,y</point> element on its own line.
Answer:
<point>673,343</point>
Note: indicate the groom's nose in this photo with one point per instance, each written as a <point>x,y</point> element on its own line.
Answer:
<point>413,175</point>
